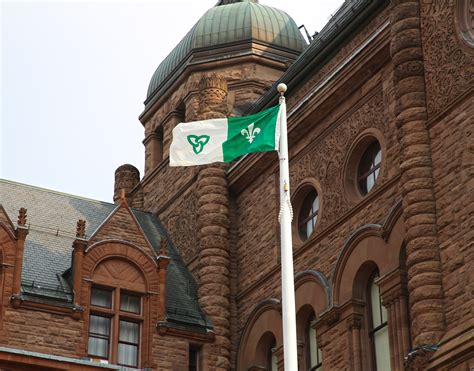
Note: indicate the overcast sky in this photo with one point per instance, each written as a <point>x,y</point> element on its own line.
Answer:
<point>74,75</point>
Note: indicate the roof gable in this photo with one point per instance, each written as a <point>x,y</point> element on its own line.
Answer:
<point>122,225</point>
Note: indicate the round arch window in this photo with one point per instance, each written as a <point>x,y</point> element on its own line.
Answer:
<point>308,215</point>
<point>369,168</point>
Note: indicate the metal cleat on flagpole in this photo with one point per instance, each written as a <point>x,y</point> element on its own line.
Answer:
<point>285,217</point>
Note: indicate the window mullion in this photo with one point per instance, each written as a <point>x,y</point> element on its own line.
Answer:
<point>115,325</point>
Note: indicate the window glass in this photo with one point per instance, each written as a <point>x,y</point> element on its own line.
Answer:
<point>123,321</point>
<point>101,298</point>
<point>369,168</point>
<point>130,303</point>
<point>128,343</point>
<point>375,304</point>
<point>274,360</point>
<point>128,355</point>
<point>99,334</point>
<point>379,328</point>
<point>308,216</point>
<point>315,356</point>
<point>382,350</point>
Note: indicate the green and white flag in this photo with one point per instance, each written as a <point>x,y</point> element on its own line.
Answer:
<point>222,140</point>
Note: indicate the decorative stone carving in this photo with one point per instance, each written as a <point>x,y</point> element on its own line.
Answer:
<point>182,227</point>
<point>324,159</point>
<point>81,228</point>
<point>448,62</point>
<point>213,97</point>
<point>22,217</point>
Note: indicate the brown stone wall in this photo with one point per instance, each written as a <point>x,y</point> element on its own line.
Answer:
<point>452,139</point>
<point>320,158</point>
<point>42,332</point>
<point>170,353</point>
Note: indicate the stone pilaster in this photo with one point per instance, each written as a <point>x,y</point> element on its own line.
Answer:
<point>354,325</point>
<point>423,262</point>
<point>394,298</point>
<point>21,232</point>
<point>213,223</point>
<point>79,248</point>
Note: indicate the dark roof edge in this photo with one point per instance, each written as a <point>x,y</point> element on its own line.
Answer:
<point>347,19</point>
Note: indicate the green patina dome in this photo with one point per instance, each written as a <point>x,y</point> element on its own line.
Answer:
<point>228,22</point>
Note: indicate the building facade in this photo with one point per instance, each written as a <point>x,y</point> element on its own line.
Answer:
<point>183,273</point>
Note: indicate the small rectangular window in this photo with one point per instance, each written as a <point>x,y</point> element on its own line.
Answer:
<point>101,298</point>
<point>130,303</point>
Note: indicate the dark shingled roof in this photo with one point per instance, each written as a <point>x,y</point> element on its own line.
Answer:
<point>52,218</point>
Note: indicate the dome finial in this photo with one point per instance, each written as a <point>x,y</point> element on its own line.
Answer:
<point>226,2</point>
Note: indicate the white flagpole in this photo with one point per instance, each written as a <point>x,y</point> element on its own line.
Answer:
<point>287,275</point>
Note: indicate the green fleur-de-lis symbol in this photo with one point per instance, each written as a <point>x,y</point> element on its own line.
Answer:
<point>198,142</point>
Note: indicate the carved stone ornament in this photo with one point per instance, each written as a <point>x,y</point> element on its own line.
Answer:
<point>81,228</point>
<point>213,97</point>
<point>22,217</point>
<point>448,60</point>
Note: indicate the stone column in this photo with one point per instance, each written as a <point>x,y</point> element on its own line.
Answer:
<point>354,324</point>
<point>213,224</point>
<point>154,147</point>
<point>394,294</point>
<point>423,261</point>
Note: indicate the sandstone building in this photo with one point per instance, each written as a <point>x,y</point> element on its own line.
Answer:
<point>183,271</point>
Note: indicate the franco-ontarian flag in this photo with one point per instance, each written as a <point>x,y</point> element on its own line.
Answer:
<point>222,140</point>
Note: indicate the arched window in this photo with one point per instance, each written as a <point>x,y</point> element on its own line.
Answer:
<point>369,168</point>
<point>314,356</point>
<point>308,215</point>
<point>378,329</point>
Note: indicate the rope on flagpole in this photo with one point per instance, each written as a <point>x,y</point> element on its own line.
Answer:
<point>285,200</point>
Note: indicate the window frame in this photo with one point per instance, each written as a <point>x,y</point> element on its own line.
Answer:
<point>371,330</point>
<point>374,168</point>
<point>319,358</point>
<point>115,314</point>
<point>312,214</point>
